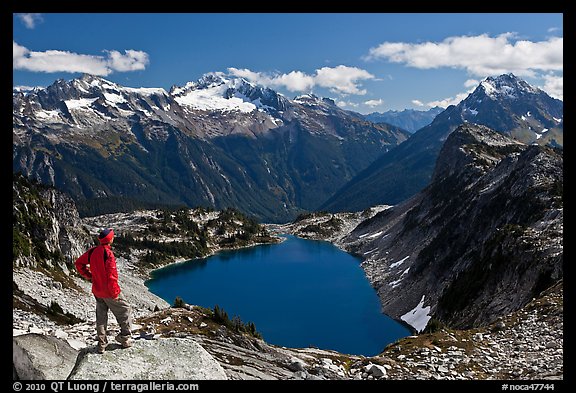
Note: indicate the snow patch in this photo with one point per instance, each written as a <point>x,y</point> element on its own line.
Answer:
<point>44,114</point>
<point>212,99</point>
<point>400,262</point>
<point>81,103</point>
<point>395,283</point>
<point>147,91</point>
<point>557,120</point>
<point>417,317</point>
<point>370,236</point>
<point>544,130</point>
<point>114,98</point>
<point>371,251</point>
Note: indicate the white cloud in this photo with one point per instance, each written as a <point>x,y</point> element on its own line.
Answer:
<point>341,79</point>
<point>18,51</point>
<point>480,55</point>
<point>295,81</point>
<point>446,102</point>
<point>374,103</point>
<point>553,29</point>
<point>471,84</point>
<point>554,86</point>
<point>132,60</point>
<point>63,61</point>
<point>347,104</point>
<point>30,20</point>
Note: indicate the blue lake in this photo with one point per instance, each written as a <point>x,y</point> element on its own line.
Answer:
<point>299,293</point>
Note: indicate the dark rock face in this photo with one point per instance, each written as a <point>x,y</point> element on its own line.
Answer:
<point>47,230</point>
<point>217,142</point>
<point>505,103</point>
<point>480,241</point>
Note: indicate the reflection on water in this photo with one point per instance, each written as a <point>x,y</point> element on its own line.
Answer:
<point>299,293</point>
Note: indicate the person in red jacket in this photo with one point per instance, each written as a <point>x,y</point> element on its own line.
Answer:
<point>98,265</point>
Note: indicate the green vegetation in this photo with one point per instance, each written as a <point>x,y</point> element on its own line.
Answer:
<point>433,326</point>
<point>31,221</point>
<point>116,204</point>
<point>178,302</point>
<point>220,316</point>
<point>230,229</point>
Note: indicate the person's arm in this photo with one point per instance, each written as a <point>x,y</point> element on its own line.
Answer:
<point>82,266</point>
<point>112,274</point>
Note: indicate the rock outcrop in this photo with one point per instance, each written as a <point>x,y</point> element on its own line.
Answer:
<point>38,356</point>
<point>47,227</point>
<point>165,359</point>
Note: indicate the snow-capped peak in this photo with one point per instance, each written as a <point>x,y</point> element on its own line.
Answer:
<point>312,99</point>
<point>88,85</point>
<point>219,91</point>
<point>26,89</point>
<point>306,98</point>
<point>506,86</point>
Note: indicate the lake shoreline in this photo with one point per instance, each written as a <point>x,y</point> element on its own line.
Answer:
<point>325,300</point>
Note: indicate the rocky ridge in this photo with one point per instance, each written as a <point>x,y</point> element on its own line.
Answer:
<point>504,103</point>
<point>488,229</point>
<point>220,141</point>
<point>525,345</point>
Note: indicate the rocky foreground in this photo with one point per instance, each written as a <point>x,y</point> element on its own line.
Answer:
<point>527,344</point>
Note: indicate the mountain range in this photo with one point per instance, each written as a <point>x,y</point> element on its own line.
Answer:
<point>222,141</point>
<point>505,103</point>
<point>217,142</point>
<point>409,119</point>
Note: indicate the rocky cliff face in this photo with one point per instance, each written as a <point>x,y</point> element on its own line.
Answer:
<point>47,229</point>
<point>480,241</point>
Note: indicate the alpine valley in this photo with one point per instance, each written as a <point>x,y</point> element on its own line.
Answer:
<point>218,142</point>
<point>459,225</point>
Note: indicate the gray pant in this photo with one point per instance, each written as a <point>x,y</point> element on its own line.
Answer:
<point>123,313</point>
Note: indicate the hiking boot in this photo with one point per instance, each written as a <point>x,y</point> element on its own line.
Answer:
<point>126,342</point>
<point>101,348</point>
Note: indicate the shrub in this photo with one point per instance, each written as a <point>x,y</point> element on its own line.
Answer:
<point>433,325</point>
<point>178,302</point>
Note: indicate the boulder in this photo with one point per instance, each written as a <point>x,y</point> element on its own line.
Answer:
<point>376,370</point>
<point>37,356</point>
<point>163,359</point>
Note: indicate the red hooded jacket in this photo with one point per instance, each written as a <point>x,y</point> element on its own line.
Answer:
<point>101,270</point>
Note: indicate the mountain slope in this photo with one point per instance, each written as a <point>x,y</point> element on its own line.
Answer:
<point>505,104</point>
<point>409,119</point>
<point>481,240</point>
<point>219,142</point>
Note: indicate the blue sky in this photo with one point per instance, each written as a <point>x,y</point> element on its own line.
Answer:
<point>365,62</point>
